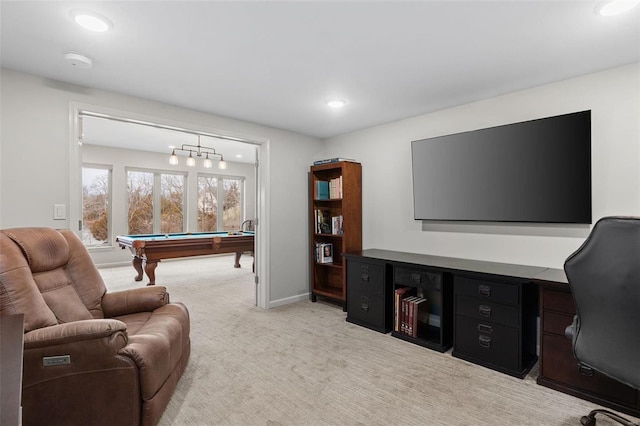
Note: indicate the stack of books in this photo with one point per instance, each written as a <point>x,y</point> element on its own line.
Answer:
<point>324,223</point>
<point>411,312</point>
<point>324,252</point>
<point>332,160</point>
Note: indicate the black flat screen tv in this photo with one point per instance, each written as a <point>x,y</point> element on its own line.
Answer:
<point>536,171</point>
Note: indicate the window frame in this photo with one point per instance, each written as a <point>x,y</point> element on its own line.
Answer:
<point>220,197</point>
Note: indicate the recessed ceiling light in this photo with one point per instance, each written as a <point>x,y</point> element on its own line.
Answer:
<point>172,146</point>
<point>238,155</point>
<point>91,21</point>
<point>336,103</point>
<point>615,7</point>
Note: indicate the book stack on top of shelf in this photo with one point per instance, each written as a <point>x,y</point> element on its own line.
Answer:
<point>411,312</point>
<point>332,160</point>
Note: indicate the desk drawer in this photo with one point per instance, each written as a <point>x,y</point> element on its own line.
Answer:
<point>556,323</point>
<point>367,277</point>
<point>493,343</point>
<point>560,365</point>
<point>488,311</point>
<point>487,290</point>
<point>366,310</point>
<point>558,301</point>
<point>417,278</point>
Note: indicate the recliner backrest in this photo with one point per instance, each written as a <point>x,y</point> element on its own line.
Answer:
<point>62,270</point>
<point>604,277</point>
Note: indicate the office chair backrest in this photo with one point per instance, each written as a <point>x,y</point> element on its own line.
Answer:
<point>604,277</point>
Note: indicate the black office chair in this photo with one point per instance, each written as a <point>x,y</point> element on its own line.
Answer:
<point>604,278</point>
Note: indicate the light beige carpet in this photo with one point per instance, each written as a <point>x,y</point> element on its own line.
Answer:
<point>303,364</point>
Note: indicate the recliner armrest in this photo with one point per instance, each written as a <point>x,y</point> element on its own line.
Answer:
<point>144,299</point>
<point>71,332</point>
<point>571,329</point>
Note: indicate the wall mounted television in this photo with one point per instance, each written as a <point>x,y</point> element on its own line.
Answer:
<point>536,171</point>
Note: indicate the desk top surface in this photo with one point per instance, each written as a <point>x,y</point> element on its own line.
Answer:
<point>459,264</point>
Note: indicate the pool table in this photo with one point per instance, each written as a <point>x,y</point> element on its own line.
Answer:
<point>150,249</point>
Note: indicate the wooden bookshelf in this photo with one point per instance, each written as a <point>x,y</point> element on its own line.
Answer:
<point>343,207</point>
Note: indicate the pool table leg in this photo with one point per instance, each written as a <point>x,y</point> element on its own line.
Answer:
<point>150,269</point>
<point>237,264</point>
<point>137,265</point>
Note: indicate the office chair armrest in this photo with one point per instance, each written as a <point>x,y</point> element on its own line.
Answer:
<point>571,329</point>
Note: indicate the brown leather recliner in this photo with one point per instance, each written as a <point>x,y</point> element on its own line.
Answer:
<point>90,357</point>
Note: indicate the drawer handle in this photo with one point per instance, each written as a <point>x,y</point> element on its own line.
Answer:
<point>585,371</point>
<point>364,307</point>
<point>484,311</point>
<point>364,277</point>
<point>483,328</point>
<point>415,278</point>
<point>484,341</point>
<point>484,290</point>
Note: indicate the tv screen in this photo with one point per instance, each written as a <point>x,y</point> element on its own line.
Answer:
<point>537,171</point>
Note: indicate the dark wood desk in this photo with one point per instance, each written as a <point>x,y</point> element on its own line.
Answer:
<point>559,369</point>
<point>486,310</point>
<point>150,249</point>
<point>516,295</point>
<point>11,344</point>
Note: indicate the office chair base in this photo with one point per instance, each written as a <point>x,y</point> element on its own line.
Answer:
<point>590,420</point>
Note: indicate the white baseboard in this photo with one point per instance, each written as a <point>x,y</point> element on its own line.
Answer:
<point>287,300</point>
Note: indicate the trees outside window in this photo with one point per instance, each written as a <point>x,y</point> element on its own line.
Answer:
<point>207,203</point>
<point>232,213</point>
<point>171,203</point>
<point>96,197</point>
<point>156,202</point>
<point>211,189</point>
<point>140,190</point>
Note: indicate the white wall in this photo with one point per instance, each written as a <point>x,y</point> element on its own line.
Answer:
<point>121,159</point>
<point>35,140</point>
<point>613,96</point>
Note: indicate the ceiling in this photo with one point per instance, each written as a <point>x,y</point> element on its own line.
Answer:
<point>276,63</point>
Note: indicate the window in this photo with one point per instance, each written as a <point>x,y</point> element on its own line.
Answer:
<point>156,202</point>
<point>96,197</point>
<point>232,213</point>
<point>207,203</point>
<point>213,188</point>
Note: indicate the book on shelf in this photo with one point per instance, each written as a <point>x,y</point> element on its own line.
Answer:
<point>336,225</point>
<point>407,318</point>
<point>322,190</point>
<point>322,221</point>
<point>333,160</point>
<point>399,295</point>
<point>420,318</point>
<point>324,252</point>
<point>335,188</point>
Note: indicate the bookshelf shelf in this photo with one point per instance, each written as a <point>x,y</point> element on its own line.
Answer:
<point>335,213</point>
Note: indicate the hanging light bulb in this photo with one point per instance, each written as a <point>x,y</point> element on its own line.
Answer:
<point>207,163</point>
<point>173,159</point>
<point>222,164</point>
<point>191,161</point>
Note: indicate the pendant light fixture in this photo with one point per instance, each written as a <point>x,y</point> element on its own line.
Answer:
<point>199,151</point>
